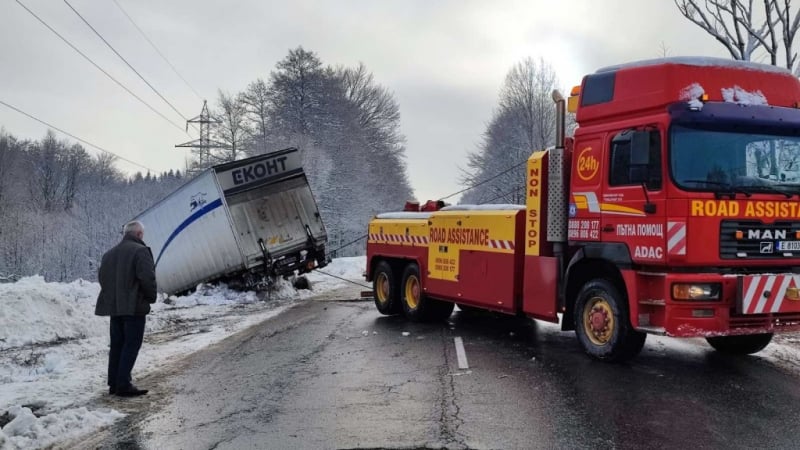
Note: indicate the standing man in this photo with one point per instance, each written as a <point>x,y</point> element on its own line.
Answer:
<point>127,288</point>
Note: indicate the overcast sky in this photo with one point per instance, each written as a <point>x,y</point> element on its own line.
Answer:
<point>444,60</point>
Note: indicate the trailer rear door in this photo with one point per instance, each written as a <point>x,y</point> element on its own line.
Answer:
<point>278,216</point>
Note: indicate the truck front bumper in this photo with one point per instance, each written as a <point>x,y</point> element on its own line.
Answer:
<point>691,305</point>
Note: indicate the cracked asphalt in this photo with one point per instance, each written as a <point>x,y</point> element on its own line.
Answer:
<point>331,373</point>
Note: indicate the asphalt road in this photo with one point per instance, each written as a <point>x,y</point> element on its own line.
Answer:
<point>336,374</point>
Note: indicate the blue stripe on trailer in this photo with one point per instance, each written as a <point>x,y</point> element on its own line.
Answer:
<point>198,214</point>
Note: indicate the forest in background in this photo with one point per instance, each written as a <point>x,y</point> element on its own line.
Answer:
<point>61,207</point>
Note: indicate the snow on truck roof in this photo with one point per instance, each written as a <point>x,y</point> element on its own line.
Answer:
<point>498,207</point>
<point>404,215</point>
<point>701,61</point>
<point>427,215</point>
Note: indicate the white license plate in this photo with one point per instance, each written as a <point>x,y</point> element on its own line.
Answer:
<point>789,246</point>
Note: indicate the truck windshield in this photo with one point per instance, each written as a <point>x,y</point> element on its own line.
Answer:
<point>730,161</point>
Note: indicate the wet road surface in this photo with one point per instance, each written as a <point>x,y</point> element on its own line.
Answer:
<point>336,374</point>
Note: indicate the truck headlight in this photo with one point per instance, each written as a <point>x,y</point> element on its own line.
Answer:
<point>696,291</point>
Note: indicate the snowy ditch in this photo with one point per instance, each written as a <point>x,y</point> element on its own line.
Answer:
<point>54,350</point>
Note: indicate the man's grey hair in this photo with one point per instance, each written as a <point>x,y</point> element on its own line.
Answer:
<point>133,228</point>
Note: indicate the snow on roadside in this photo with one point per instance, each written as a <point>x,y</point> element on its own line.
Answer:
<point>54,350</point>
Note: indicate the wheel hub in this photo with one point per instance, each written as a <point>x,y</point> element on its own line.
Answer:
<point>598,320</point>
<point>383,288</point>
<point>412,292</point>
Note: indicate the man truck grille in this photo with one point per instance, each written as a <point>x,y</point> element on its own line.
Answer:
<point>760,240</point>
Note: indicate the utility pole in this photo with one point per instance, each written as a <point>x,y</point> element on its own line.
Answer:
<point>202,147</point>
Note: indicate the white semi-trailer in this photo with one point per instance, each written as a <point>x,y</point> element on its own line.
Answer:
<point>237,222</point>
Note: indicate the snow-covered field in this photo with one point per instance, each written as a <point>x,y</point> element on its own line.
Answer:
<point>54,350</point>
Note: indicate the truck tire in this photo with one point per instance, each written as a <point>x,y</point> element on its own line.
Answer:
<point>746,344</point>
<point>602,323</point>
<point>417,306</point>
<point>386,290</point>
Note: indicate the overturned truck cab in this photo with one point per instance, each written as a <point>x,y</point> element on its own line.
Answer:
<point>242,222</point>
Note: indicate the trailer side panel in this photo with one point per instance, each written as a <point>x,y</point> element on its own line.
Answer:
<point>191,236</point>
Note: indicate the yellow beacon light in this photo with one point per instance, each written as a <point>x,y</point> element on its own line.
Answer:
<point>572,101</point>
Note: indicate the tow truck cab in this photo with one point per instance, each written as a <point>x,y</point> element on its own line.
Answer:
<point>685,175</point>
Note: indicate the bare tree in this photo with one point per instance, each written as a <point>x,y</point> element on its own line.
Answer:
<point>789,26</point>
<point>44,167</point>
<point>743,29</point>
<point>527,95</point>
<point>9,153</point>
<point>232,129</point>
<point>522,124</point>
<point>256,101</point>
<point>663,50</point>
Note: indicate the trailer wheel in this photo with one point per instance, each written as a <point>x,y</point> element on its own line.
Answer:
<point>740,345</point>
<point>386,290</point>
<point>416,305</point>
<point>603,325</point>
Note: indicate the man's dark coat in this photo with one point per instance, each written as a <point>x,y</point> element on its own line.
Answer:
<point>127,279</point>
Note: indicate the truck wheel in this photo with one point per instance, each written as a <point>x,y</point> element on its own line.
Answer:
<point>386,290</point>
<point>740,345</point>
<point>416,305</point>
<point>603,325</point>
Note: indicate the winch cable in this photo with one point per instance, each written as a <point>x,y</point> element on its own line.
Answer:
<point>343,279</point>
<point>488,179</point>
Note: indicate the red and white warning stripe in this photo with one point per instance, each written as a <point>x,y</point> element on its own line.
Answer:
<point>676,238</point>
<point>422,240</point>
<point>500,243</point>
<point>765,293</point>
<point>399,238</point>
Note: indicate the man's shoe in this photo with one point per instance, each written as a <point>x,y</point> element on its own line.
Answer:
<point>131,391</point>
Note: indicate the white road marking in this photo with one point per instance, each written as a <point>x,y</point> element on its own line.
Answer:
<point>461,354</point>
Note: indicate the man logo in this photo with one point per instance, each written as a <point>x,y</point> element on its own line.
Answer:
<point>767,247</point>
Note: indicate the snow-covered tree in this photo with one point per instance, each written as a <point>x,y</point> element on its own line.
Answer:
<point>61,209</point>
<point>523,122</point>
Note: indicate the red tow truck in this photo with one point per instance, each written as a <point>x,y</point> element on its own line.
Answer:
<point>673,210</point>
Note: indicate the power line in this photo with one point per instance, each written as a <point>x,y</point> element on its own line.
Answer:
<point>74,137</point>
<point>516,189</point>
<point>125,60</point>
<point>487,180</point>
<point>158,51</point>
<point>98,67</point>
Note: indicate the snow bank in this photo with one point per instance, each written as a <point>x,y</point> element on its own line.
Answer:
<point>35,312</point>
<point>28,431</point>
<point>53,349</point>
<point>351,268</point>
